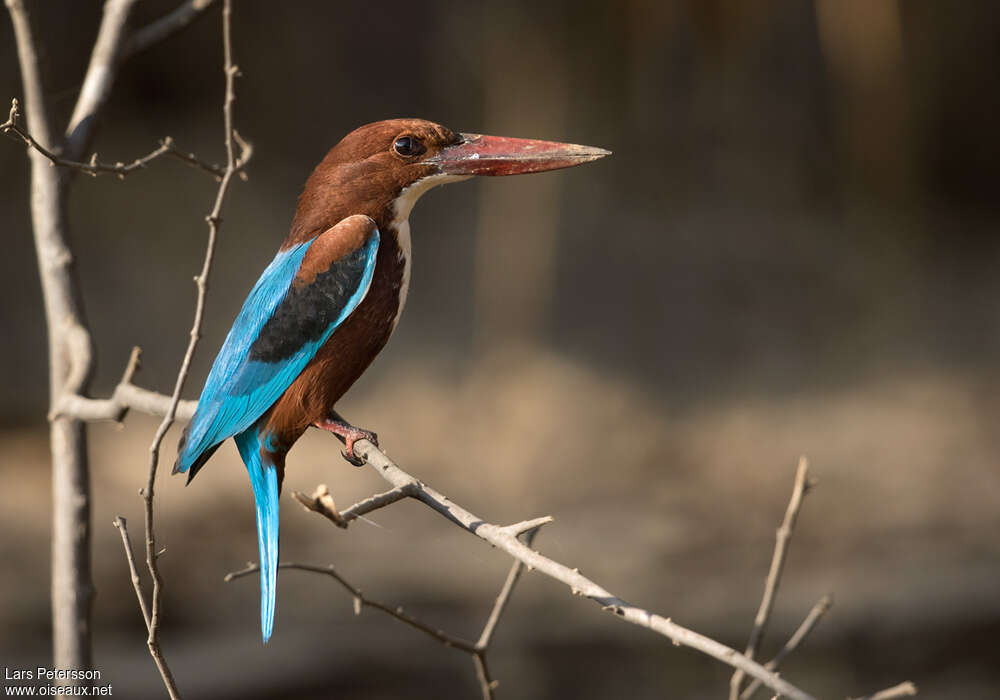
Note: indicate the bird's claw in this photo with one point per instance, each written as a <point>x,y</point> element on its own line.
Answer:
<point>359,434</point>
<point>352,458</point>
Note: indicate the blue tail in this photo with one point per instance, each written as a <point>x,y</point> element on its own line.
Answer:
<point>264,481</point>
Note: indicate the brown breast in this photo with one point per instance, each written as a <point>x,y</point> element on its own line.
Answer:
<point>351,348</point>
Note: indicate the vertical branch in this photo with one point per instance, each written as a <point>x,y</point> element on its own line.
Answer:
<point>201,281</point>
<point>70,363</point>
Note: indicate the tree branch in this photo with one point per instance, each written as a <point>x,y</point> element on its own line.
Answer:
<point>782,537</point>
<point>70,363</point>
<point>166,26</point>
<point>126,396</point>
<point>505,538</point>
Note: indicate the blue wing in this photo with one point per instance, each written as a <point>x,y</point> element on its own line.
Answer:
<point>277,332</point>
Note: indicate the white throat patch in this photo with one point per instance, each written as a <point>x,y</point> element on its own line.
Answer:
<point>401,209</point>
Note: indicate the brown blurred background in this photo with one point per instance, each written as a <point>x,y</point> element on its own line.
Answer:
<point>793,250</point>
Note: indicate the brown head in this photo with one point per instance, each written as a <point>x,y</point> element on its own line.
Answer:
<point>382,168</point>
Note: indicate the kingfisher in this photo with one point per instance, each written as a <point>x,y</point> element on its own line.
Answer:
<point>330,299</point>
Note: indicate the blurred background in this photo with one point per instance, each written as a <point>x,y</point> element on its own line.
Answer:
<point>792,251</point>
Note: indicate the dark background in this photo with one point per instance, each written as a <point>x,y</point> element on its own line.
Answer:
<point>793,250</point>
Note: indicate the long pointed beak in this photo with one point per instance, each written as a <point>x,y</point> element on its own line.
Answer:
<point>498,155</point>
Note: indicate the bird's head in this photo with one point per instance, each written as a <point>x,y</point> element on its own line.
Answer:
<point>381,169</point>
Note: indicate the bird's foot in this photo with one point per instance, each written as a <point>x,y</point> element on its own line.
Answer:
<point>350,435</point>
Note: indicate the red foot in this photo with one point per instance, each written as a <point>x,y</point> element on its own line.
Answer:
<point>350,435</point>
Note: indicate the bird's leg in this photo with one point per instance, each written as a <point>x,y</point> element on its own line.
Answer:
<point>349,434</point>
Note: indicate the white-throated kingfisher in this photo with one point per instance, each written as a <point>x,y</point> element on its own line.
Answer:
<point>330,299</point>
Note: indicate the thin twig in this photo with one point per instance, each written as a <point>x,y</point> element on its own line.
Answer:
<point>903,690</point>
<point>362,601</point>
<point>95,167</point>
<point>782,537</point>
<point>817,612</point>
<point>119,523</point>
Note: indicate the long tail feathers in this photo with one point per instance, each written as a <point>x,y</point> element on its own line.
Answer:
<point>264,481</point>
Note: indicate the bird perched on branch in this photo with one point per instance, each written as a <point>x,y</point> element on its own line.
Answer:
<point>330,299</point>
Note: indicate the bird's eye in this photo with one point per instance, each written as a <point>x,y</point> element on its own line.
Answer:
<point>408,146</point>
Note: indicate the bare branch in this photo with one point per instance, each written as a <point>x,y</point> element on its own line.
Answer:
<point>126,396</point>
<point>119,523</point>
<point>95,167</point>
<point>70,359</point>
<point>782,537</point>
<point>503,538</point>
<point>903,690</point>
<point>817,612</point>
<point>169,24</point>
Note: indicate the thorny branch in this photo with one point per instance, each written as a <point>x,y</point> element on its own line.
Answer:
<point>506,538</point>
<point>782,537</point>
